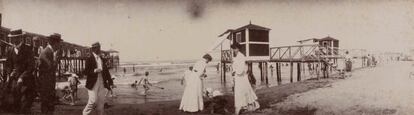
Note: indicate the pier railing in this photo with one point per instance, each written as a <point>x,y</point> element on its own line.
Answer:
<point>302,53</point>
<point>2,70</point>
<point>72,64</point>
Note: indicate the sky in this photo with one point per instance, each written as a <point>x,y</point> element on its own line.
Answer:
<point>184,29</point>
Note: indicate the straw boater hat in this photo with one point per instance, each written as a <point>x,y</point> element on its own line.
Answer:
<point>217,93</point>
<point>96,44</point>
<point>55,38</point>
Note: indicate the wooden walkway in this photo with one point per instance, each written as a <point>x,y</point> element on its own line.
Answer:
<point>324,59</point>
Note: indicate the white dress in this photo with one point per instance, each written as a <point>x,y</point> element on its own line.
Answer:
<point>244,95</point>
<point>192,100</point>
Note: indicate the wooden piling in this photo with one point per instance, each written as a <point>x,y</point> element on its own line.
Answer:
<point>279,78</point>
<point>299,71</point>
<point>266,72</point>
<point>224,72</point>
<point>291,72</point>
<point>221,72</point>
<point>76,65</point>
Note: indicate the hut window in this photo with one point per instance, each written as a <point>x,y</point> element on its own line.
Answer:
<point>238,37</point>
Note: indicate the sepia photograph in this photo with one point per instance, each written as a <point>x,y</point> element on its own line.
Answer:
<point>206,57</point>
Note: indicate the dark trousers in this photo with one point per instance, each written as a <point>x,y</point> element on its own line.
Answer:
<point>25,97</point>
<point>21,97</point>
<point>47,84</point>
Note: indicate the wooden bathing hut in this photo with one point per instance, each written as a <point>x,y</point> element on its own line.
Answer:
<point>254,41</point>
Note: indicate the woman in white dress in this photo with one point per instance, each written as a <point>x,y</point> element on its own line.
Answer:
<point>192,100</point>
<point>186,81</point>
<point>244,95</point>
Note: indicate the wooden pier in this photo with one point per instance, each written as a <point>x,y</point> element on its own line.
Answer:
<point>321,56</point>
<point>71,56</point>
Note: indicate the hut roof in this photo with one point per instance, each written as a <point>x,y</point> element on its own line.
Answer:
<point>327,39</point>
<point>112,51</point>
<point>249,26</point>
<point>306,40</point>
<point>252,26</point>
<point>317,40</point>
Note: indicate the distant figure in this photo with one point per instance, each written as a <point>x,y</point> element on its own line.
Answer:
<point>348,64</point>
<point>271,70</point>
<point>145,83</point>
<point>368,61</point>
<point>218,67</point>
<point>310,68</point>
<point>325,67</point>
<point>374,62</point>
<point>192,100</point>
<point>124,71</point>
<point>134,85</point>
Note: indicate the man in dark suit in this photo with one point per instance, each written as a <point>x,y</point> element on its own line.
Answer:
<point>98,79</point>
<point>47,74</point>
<point>20,66</point>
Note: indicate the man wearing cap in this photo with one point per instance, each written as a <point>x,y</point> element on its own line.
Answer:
<point>98,79</point>
<point>47,74</point>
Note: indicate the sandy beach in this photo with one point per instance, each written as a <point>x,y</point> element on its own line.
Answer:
<point>129,101</point>
<point>324,96</point>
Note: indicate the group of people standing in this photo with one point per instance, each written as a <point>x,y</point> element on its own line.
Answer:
<point>28,76</point>
<point>244,95</point>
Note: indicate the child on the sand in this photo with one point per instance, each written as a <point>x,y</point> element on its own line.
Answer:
<point>73,87</point>
<point>145,83</point>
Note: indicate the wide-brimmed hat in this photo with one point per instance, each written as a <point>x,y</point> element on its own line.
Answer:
<point>55,38</point>
<point>96,44</point>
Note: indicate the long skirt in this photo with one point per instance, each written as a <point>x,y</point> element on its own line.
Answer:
<point>192,99</point>
<point>244,95</point>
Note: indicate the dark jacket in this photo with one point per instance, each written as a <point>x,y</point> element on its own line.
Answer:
<point>47,62</point>
<point>91,76</point>
<point>21,65</point>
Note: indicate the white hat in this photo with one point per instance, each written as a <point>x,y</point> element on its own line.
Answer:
<point>217,93</point>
